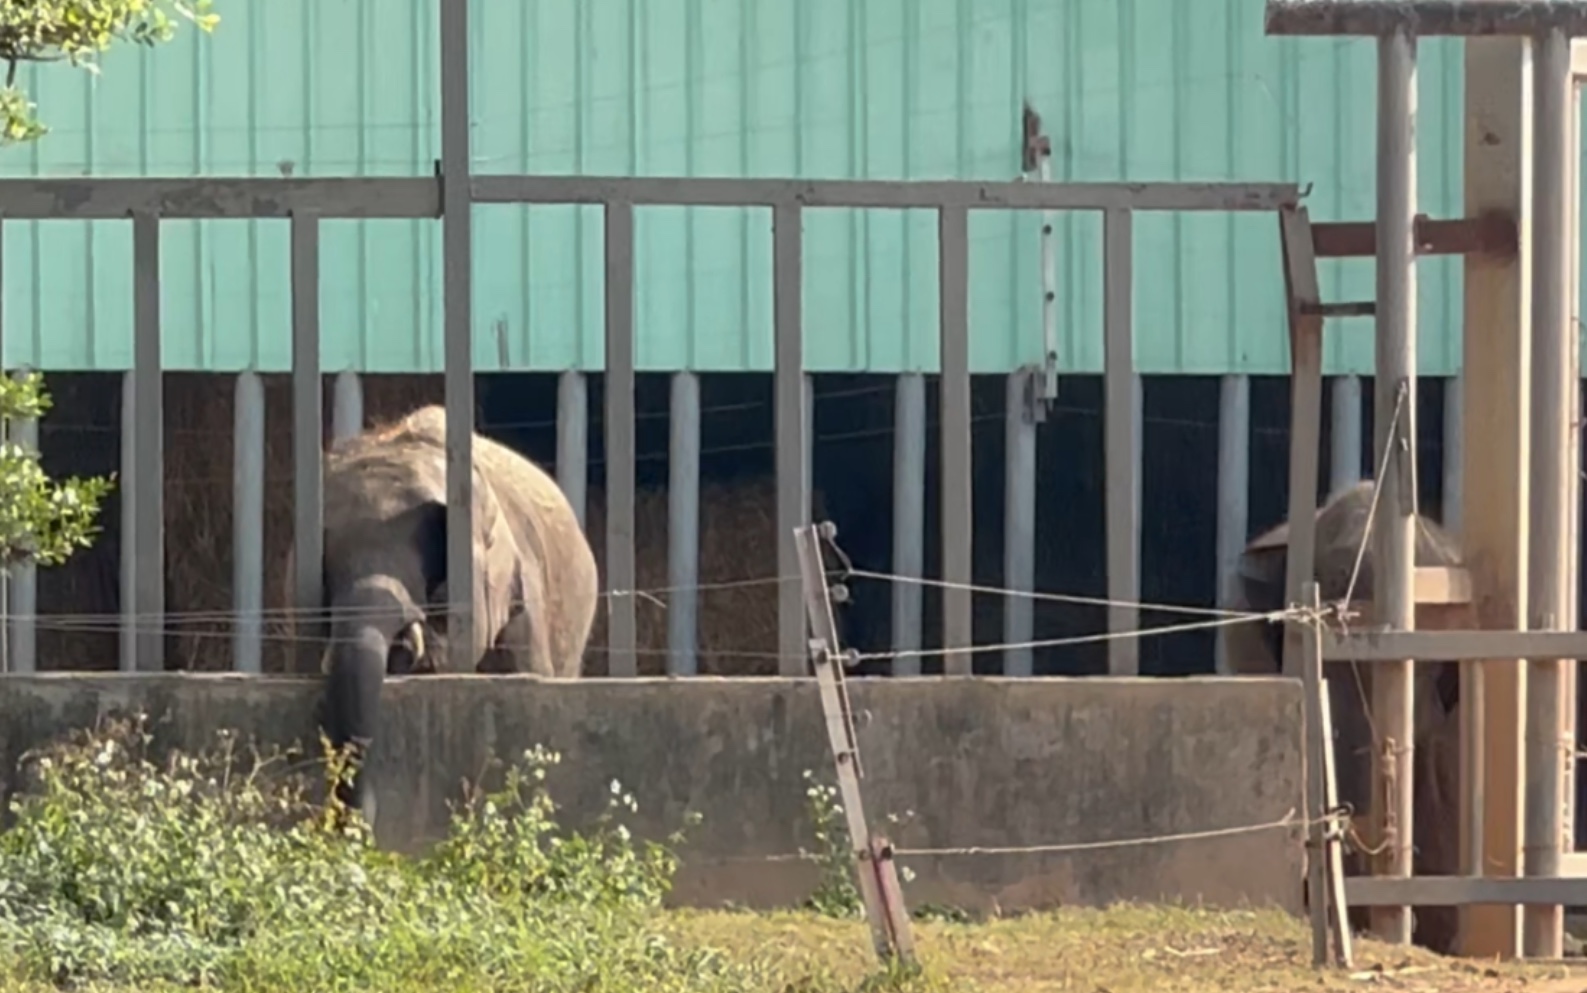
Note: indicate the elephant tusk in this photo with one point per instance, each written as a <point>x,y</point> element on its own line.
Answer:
<point>415,633</point>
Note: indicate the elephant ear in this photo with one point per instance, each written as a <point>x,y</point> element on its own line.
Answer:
<point>498,573</point>
<point>498,578</point>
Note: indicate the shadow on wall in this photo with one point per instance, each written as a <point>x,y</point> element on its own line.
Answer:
<point>852,477</point>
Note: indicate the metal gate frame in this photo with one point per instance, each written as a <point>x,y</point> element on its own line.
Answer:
<point>1551,880</point>
<point>451,195</point>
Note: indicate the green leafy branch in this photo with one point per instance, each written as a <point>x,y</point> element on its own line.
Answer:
<point>78,32</point>
<point>41,519</point>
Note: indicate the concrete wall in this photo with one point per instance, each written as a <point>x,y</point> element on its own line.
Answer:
<point>982,762</point>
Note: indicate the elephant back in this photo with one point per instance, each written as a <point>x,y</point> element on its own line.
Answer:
<point>550,542</point>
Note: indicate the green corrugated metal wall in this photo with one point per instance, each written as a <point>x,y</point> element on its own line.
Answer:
<point>1138,89</point>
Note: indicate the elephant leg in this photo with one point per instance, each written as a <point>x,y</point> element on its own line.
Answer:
<point>1437,815</point>
<point>522,646</point>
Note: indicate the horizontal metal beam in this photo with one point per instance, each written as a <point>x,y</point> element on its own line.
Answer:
<point>1492,233</point>
<point>418,197</point>
<point>733,192</point>
<point>1451,646</point>
<point>1353,308</point>
<point>1456,891</point>
<point>200,197</point>
<point>1425,18</point>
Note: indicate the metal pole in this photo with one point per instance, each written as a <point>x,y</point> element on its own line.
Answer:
<point>247,521</point>
<point>457,227</point>
<point>1344,463</point>
<point>148,446</point>
<point>792,428</point>
<point>621,576</point>
<point>308,430</point>
<point>1548,557</point>
<point>954,412</point>
<point>1019,520</point>
<point>1395,386</point>
<point>909,518</point>
<point>128,485</point>
<point>1121,442</point>
<point>683,526</point>
<point>347,405</point>
<point>573,439</point>
<point>1234,496</point>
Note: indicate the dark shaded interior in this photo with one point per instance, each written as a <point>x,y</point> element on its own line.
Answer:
<point>853,471</point>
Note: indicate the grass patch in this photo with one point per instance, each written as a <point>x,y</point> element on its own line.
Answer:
<point>215,870</point>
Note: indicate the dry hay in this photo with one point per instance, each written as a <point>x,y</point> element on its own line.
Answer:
<point>737,626</point>
<point>81,435</point>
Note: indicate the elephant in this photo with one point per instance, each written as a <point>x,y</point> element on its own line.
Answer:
<point>1256,648</point>
<point>385,581</point>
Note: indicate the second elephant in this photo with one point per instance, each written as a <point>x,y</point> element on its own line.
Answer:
<point>1256,648</point>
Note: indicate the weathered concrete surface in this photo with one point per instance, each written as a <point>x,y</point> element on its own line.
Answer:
<point>981,761</point>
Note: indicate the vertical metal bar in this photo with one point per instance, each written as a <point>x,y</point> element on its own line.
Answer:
<point>1553,379</point>
<point>308,429</point>
<point>149,429</point>
<point>457,236</point>
<point>1454,431</point>
<point>792,431</point>
<point>683,526</point>
<point>573,439</point>
<point>23,595</point>
<point>1395,386</point>
<point>909,518</point>
<point>347,405</point>
<point>953,288</point>
<point>1569,709</point>
<point>1120,433</point>
<point>1344,462</point>
<point>1049,290</point>
<point>1234,496</point>
<point>620,453</point>
<point>247,521</point>
<point>129,484</point>
<point>1306,384</point>
<point>1019,521</point>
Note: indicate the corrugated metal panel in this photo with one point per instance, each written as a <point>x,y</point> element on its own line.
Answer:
<point>1140,89</point>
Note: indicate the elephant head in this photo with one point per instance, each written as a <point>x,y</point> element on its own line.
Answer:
<point>1255,648</point>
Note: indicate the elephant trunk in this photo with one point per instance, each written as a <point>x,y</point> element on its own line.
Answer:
<point>357,670</point>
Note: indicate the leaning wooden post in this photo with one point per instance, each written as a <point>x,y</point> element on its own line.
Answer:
<point>874,869</point>
<point>1325,857</point>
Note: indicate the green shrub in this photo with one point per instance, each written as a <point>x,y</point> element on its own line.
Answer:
<point>217,868</point>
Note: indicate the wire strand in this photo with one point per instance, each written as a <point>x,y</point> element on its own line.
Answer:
<point>1290,819</point>
<point>1072,598</point>
<point>1277,615</point>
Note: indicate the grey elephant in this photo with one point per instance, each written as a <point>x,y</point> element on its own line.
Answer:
<point>385,582</point>
<point>1256,648</point>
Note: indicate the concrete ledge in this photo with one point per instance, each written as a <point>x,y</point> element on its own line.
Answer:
<point>984,762</point>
